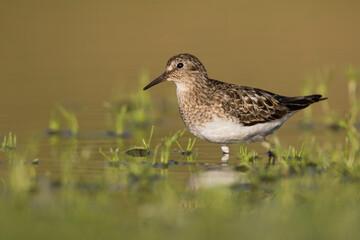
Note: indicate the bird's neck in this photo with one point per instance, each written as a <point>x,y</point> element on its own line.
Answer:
<point>192,83</point>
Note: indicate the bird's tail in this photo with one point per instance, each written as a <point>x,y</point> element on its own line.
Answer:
<point>297,103</point>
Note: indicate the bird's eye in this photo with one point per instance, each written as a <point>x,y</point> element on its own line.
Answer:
<point>180,65</point>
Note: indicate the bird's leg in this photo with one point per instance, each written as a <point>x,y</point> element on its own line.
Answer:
<point>272,157</point>
<point>226,152</point>
<point>225,148</point>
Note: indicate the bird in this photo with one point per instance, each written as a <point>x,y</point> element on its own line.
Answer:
<point>225,113</point>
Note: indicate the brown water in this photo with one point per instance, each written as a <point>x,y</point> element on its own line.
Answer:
<point>80,54</point>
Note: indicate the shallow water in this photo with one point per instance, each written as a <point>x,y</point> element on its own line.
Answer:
<point>82,54</point>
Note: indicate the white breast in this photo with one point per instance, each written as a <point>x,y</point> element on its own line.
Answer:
<point>225,132</point>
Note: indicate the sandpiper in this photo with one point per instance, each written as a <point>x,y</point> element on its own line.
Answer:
<point>226,113</point>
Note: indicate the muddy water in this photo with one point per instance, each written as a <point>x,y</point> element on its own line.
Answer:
<point>80,54</point>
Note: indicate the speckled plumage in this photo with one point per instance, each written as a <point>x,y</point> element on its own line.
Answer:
<point>226,113</point>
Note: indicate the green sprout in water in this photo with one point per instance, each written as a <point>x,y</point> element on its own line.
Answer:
<point>166,145</point>
<point>155,153</point>
<point>189,147</point>
<point>352,145</point>
<point>119,120</point>
<point>147,144</point>
<point>246,156</point>
<point>70,118</point>
<point>352,78</point>
<point>292,154</point>
<point>118,113</point>
<point>113,157</point>
<point>54,122</point>
<point>9,146</point>
<point>189,150</point>
<point>9,143</point>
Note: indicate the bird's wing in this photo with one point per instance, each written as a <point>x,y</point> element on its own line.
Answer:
<point>252,106</point>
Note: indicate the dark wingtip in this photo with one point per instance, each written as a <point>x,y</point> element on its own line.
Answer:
<point>315,97</point>
<point>297,103</point>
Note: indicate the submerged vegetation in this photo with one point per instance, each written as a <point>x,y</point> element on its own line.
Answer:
<point>109,191</point>
<point>189,147</point>
<point>8,143</point>
<point>118,116</point>
<point>71,120</point>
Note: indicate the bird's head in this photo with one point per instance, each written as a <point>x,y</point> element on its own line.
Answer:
<point>183,69</point>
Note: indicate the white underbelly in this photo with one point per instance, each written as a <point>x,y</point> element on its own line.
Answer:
<point>226,132</point>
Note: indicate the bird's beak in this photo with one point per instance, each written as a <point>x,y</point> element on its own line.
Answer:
<point>160,79</point>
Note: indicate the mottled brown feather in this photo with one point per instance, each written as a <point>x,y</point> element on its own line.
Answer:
<point>248,105</point>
